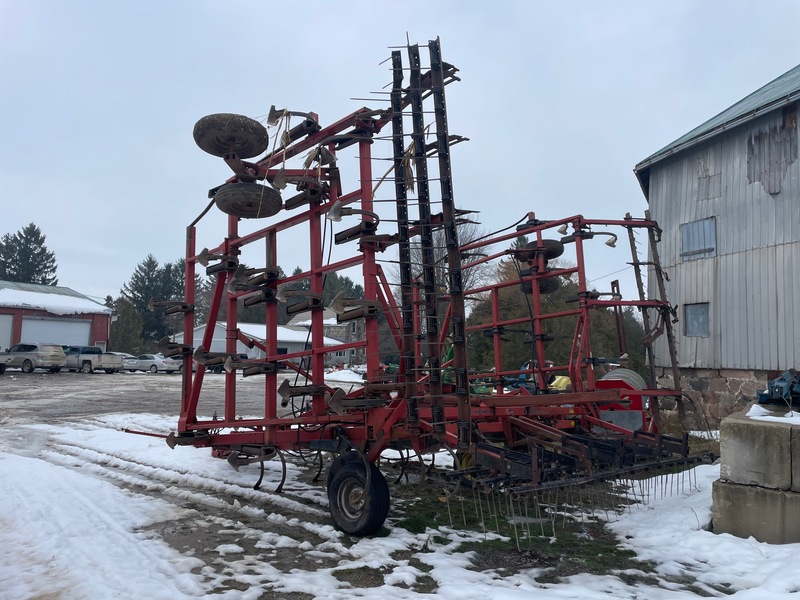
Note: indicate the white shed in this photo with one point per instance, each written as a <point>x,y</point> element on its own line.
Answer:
<point>290,339</point>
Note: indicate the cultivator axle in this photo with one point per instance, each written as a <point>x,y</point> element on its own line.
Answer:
<point>545,424</point>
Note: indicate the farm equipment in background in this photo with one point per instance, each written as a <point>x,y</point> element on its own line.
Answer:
<point>529,437</point>
<point>784,389</point>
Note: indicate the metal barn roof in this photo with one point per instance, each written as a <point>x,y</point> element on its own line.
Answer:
<point>776,94</point>
<point>51,298</point>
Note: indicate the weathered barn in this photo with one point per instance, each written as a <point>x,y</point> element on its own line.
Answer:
<point>727,196</point>
<point>33,313</point>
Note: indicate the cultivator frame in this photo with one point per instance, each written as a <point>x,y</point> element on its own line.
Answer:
<point>532,437</point>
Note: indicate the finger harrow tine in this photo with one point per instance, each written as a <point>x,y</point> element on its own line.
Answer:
<point>480,510</point>
<point>513,519</point>
<point>463,512</point>
<point>496,510</point>
<point>527,520</point>
<point>447,501</point>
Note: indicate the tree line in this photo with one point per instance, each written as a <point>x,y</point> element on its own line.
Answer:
<point>138,329</point>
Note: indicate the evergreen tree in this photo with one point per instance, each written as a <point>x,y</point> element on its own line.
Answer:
<point>126,330</point>
<point>149,282</point>
<point>25,258</point>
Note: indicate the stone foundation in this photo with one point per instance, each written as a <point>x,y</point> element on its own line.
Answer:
<point>712,394</point>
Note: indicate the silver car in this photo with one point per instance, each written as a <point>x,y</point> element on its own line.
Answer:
<point>157,362</point>
<point>129,361</point>
<point>35,356</point>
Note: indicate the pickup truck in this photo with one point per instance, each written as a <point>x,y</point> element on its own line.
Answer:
<point>91,358</point>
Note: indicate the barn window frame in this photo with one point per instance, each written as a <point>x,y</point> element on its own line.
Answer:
<point>699,239</point>
<point>696,320</point>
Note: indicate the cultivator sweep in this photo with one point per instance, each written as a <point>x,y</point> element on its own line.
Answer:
<point>539,426</point>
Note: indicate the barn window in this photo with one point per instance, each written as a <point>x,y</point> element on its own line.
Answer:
<point>709,186</point>
<point>699,239</point>
<point>695,320</point>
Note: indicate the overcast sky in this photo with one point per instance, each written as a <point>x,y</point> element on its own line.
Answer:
<point>559,99</point>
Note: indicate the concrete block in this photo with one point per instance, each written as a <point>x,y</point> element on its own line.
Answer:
<point>756,452</point>
<point>770,516</point>
<point>796,461</point>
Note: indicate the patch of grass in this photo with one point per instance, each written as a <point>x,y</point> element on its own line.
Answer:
<point>421,513</point>
<point>578,548</point>
<point>361,577</point>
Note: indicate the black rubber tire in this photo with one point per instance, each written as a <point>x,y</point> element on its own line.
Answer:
<point>2,368</point>
<point>109,371</point>
<point>248,200</point>
<point>355,510</point>
<point>546,286</point>
<point>153,369</point>
<point>27,367</point>
<point>170,372</point>
<point>337,463</point>
<point>550,248</point>
<point>86,367</point>
<point>223,133</point>
<point>55,369</point>
<point>180,370</point>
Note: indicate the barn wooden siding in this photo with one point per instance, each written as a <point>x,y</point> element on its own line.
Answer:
<point>748,179</point>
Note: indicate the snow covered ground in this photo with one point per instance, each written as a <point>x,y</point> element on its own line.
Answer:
<point>88,511</point>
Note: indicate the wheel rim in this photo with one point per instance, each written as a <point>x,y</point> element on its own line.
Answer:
<point>153,369</point>
<point>352,497</point>
<point>248,200</point>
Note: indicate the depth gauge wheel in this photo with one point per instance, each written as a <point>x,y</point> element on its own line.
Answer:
<point>546,286</point>
<point>337,463</point>
<point>550,249</point>
<point>248,200</point>
<point>224,133</point>
<point>358,509</point>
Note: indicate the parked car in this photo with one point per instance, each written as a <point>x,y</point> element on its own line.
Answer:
<point>33,356</point>
<point>155,363</point>
<point>88,359</point>
<point>175,362</point>
<point>129,361</point>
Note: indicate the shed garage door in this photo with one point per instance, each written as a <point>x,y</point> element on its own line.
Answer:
<point>56,331</point>
<point>5,331</point>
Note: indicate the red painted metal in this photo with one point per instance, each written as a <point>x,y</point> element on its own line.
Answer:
<point>401,411</point>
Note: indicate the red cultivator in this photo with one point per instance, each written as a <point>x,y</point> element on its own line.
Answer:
<point>533,427</point>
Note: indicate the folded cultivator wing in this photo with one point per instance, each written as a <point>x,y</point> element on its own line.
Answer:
<point>541,425</point>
